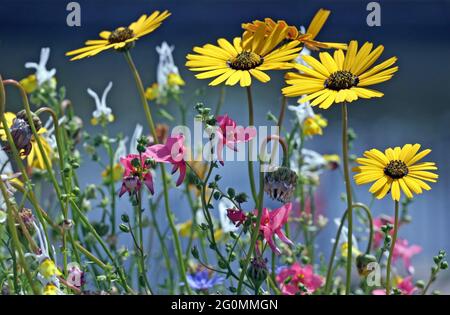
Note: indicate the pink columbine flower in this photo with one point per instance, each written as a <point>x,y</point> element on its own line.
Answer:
<point>172,152</point>
<point>229,134</point>
<point>404,251</point>
<point>137,170</point>
<point>271,224</point>
<point>238,217</point>
<point>298,274</point>
<point>406,287</point>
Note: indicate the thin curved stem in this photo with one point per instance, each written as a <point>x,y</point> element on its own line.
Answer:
<point>64,205</point>
<point>169,214</point>
<point>15,238</point>
<point>348,189</point>
<point>282,111</point>
<point>338,235</point>
<point>391,251</point>
<point>251,122</point>
<point>255,233</point>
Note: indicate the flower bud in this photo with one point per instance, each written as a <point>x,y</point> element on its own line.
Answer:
<point>280,184</point>
<point>28,219</point>
<point>194,252</point>
<point>362,261</point>
<point>257,271</point>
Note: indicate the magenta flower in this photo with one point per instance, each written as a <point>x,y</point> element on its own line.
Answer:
<point>137,170</point>
<point>236,216</point>
<point>298,275</point>
<point>172,152</point>
<point>406,287</point>
<point>229,134</point>
<point>404,251</point>
<point>272,223</point>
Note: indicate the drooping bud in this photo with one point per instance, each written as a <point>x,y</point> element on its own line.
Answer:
<point>362,262</point>
<point>257,271</point>
<point>280,184</point>
<point>28,219</point>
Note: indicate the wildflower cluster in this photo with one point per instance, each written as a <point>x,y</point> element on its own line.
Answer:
<point>254,232</point>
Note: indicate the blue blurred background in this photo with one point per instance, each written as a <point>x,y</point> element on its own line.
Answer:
<point>415,107</point>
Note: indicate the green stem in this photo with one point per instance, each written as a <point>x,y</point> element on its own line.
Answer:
<point>221,100</point>
<point>169,214</point>
<point>348,189</point>
<point>141,244</point>
<point>391,251</point>
<point>336,242</point>
<point>164,250</point>
<point>255,233</point>
<point>282,111</point>
<point>15,238</point>
<point>251,122</point>
<point>89,226</point>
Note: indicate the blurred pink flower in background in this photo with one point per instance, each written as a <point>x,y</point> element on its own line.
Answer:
<point>298,274</point>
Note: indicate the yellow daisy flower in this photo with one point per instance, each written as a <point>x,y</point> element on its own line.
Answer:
<point>121,38</point>
<point>396,170</point>
<point>339,78</point>
<point>238,62</point>
<point>307,38</point>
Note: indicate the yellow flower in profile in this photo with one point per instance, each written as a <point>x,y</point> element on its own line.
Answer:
<point>313,125</point>
<point>29,83</point>
<point>48,269</point>
<point>239,61</point>
<point>152,92</point>
<point>174,79</point>
<point>51,289</point>
<point>116,176</point>
<point>344,247</point>
<point>307,38</point>
<point>396,170</point>
<point>34,158</point>
<point>185,230</point>
<point>339,78</point>
<point>121,38</point>
<point>333,160</point>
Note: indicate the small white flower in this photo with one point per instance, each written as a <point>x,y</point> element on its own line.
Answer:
<point>5,176</point>
<point>225,222</point>
<point>42,74</point>
<point>102,111</point>
<point>302,111</point>
<point>50,132</point>
<point>134,139</point>
<point>312,166</point>
<point>166,66</point>
<point>343,237</point>
<point>121,150</point>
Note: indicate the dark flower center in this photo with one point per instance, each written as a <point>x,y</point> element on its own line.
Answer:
<point>396,169</point>
<point>120,35</point>
<point>341,80</point>
<point>246,60</point>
